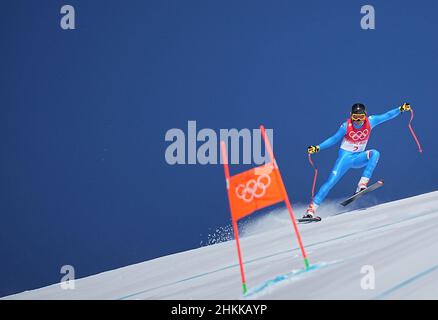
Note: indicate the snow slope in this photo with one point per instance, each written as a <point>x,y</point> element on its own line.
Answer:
<point>398,239</point>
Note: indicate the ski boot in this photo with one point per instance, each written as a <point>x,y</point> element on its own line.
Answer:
<point>310,214</point>
<point>362,185</point>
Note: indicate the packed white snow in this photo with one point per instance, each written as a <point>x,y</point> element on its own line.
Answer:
<point>387,251</point>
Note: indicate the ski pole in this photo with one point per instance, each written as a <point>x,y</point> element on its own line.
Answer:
<point>413,133</point>
<point>315,176</point>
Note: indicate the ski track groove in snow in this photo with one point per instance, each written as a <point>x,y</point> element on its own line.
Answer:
<point>407,282</point>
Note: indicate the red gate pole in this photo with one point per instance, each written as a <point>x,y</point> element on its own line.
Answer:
<point>235,226</point>
<point>285,196</point>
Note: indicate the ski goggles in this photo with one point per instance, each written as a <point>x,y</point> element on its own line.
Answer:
<point>358,117</point>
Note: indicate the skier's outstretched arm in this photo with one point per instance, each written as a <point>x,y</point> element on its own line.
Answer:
<point>375,120</point>
<point>330,141</point>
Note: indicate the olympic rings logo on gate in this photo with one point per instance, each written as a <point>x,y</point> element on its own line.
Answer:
<point>358,135</point>
<point>253,188</point>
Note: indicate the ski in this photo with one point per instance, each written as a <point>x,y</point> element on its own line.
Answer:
<point>308,220</point>
<point>356,196</point>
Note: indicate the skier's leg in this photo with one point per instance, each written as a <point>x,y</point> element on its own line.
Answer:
<point>343,163</point>
<point>373,158</point>
<point>367,159</point>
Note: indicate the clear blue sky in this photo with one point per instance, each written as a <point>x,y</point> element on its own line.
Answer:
<point>83,178</point>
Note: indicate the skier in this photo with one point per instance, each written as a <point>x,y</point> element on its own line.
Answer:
<point>352,154</point>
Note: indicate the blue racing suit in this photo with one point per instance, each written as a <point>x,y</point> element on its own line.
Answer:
<point>349,159</point>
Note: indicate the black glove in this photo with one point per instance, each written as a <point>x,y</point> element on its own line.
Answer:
<point>312,149</point>
<point>405,107</point>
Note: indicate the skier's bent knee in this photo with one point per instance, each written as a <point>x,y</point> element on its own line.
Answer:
<point>373,154</point>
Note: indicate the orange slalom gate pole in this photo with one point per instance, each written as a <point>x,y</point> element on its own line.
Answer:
<point>285,196</point>
<point>235,226</point>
